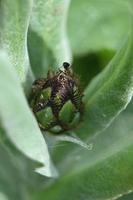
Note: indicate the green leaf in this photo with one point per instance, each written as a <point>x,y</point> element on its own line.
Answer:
<point>67,113</point>
<point>128,196</point>
<point>47,39</point>
<point>89,65</point>
<point>10,178</point>
<point>45,117</point>
<point>3,197</point>
<point>95,25</point>
<point>14,23</point>
<point>17,119</point>
<point>110,92</point>
<point>17,175</point>
<point>103,173</point>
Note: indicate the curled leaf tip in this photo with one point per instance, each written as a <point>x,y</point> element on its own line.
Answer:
<point>74,139</point>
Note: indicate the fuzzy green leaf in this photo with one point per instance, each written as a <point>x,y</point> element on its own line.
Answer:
<point>9,177</point>
<point>17,119</point>
<point>95,25</point>
<point>14,22</point>
<point>110,92</point>
<point>47,39</point>
<point>3,197</point>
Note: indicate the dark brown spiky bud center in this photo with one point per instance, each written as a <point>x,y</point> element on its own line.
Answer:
<point>61,91</point>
